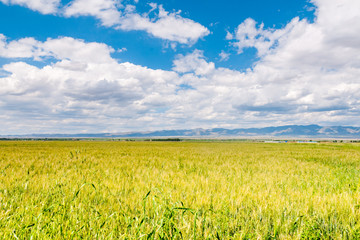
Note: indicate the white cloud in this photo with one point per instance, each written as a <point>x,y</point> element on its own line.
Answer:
<point>168,26</point>
<point>124,49</point>
<point>42,6</point>
<point>78,50</point>
<point>248,34</point>
<point>23,48</point>
<point>105,10</point>
<point>193,62</point>
<point>62,48</point>
<point>224,56</point>
<point>310,74</point>
<point>84,83</point>
<point>165,25</point>
<point>305,67</point>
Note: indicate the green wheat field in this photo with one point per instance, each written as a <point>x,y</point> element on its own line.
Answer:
<point>179,190</point>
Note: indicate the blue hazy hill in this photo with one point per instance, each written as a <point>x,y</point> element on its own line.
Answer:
<point>304,131</point>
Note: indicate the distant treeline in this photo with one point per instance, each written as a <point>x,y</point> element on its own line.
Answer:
<point>173,140</point>
<point>165,140</point>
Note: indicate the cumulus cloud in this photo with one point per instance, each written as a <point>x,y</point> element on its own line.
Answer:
<point>168,26</point>
<point>194,62</point>
<point>62,48</point>
<point>224,56</point>
<point>309,74</point>
<point>248,34</point>
<point>23,48</point>
<point>83,83</point>
<point>42,6</point>
<point>105,10</point>
<point>305,67</point>
<point>165,25</point>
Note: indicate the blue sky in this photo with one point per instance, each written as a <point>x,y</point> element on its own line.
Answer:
<point>143,49</point>
<point>111,65</point>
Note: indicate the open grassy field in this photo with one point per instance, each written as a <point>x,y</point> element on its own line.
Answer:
<point>179,190</point>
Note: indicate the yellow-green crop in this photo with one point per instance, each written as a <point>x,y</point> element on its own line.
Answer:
<point>181,190</point>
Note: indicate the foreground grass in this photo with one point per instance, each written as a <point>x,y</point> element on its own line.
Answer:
<point>183,190</point>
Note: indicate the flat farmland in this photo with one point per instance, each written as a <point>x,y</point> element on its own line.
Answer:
<point>179,190</point>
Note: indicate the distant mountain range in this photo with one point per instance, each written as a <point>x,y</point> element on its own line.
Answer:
<point>290,131</point>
